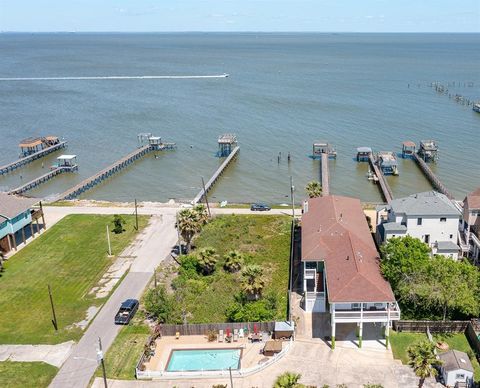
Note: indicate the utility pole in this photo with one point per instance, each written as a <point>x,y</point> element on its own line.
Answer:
<point>109,244</point>
<point>292,240</point>
<point>155,277</point>
<point>178,236</point>
<point>136,215</point>
<point>292,195</point>
<point>101,361</point>
<point>54,320</point>
<point>206,199</point>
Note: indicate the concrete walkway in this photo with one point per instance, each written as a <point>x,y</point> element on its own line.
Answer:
<point>157,241</point>
<point>51,354</point>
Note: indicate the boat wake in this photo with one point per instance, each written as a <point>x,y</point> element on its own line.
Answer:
<point>113,77</point>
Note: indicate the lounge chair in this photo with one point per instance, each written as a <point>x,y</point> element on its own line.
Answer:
<point>220,336</point>
<point>177,335</point>
<point>235,335</point>
<point>241,333</point>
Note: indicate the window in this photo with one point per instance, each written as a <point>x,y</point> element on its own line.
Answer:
<point>451,236</point>
<point>459,376</point>
<point>419,221</point>
<point>427,239</point>
<point>443,219</point>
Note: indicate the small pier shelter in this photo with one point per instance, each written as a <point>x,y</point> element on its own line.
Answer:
<point>387,162</point>
<point>428,150</point>
<point>226,143</point>
<point>363,154</point>
<point>408,149</point>
<point>322,147</point>
<point>67,162</point>
<point>32,145</point>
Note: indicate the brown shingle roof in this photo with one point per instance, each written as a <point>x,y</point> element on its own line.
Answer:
<point>334,230</point>
<point>473,199</point>
<point>13,205</point>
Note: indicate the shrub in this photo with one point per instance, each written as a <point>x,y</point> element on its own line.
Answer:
<point>118,222</point>
<point>233,261</point>
<point>159,305</point>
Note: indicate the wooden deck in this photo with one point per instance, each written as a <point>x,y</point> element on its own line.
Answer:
<point>216,175</point>
<point>325,179</point>
<point>385,188</point>
<point>433,179</point>
<point>30,158</point>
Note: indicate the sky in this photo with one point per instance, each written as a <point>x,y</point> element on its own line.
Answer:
<point>241,15</point>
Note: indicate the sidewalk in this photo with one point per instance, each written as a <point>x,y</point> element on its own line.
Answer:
<point>51,354</point>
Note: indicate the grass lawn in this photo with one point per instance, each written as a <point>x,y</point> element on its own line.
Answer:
<point>26,374</point>
<point>400,341</point>
<point>71,256</point>
<point>122,357</point>
<point>265,240</point>
<point>459,341</point>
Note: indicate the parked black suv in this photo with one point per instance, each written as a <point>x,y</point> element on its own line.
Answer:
<point>126,312</point>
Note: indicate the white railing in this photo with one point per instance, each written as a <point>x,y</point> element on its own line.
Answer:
<point>314,295</point>
<point>164,375</point>
<point>368,314</point>
<point>310,273</point>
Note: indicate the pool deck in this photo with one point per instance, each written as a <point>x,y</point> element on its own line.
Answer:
<point>251,354</point>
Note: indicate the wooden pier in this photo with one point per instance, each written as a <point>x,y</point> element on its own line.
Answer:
<point>385,188</point>
<point>30,158</point>
<point>216,175</point>
<point>325,179</point>
<point>38,181</point>
<point>154,144</point>
<point>436,183</point>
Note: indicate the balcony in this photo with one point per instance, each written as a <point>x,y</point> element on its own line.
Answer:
<point>310,273</point>
<point>314,295</point>
<point>380,315</point>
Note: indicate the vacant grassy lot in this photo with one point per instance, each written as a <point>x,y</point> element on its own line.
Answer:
<point>401,341</point>
<point>123,355</point>
<point>26,374</point>
<point>264,240</point>
<point>71,257</point>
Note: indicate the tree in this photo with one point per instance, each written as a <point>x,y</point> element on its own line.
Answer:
<point>118,222</point>
<point>190,222</point>
<point>253,281</point>
<point>314,189</point>
<point>159,304</point>
<point>288,380</point>
<point>422,358</point>
<point>402,256</point>
<point>207,259</point>
<point>233,261</point>
<point>443,285</point>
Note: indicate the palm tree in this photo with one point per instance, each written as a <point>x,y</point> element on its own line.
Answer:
<point>314,189</point>
<point>288,380</point>
<point>253,281</point>
<point>233,261</point>
<point>422,358</point>
<point>190,222</point>
<point>207,258</point>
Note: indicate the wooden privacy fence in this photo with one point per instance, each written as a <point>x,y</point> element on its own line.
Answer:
<point>433,326</point>
<point>204,328</point>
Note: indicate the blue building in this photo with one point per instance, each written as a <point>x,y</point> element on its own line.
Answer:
<point>18,220</point>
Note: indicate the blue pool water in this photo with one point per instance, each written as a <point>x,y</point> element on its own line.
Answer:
<point>204,359</point>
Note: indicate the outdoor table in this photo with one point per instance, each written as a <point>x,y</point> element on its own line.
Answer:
<point>272,347</point>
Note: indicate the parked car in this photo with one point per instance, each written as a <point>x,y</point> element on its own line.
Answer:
<point>126,312</point>
<point>260,207</point>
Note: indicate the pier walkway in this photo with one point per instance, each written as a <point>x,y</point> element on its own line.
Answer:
<point>38,181</point>
<point>436,183</point>
<point>106,173</point>
<point>385,188</point>
<point>30,158</point>
<point>325,177</point>
<point>216,175</point>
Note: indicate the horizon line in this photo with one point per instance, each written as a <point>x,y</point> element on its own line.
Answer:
<point>234,32</point>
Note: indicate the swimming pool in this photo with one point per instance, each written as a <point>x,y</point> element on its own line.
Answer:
<point>204,359</point>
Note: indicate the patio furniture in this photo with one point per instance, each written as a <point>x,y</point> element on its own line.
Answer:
<point>255,337</point>
<point>241,333</point>
<point>272,347</point>
<point>177,335</point>
<point>220,336</point>
<point>235,335</point>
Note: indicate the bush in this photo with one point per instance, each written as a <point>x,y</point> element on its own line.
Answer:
<point>118,222</point>
<point>159,305</point>
<point>252,311</point>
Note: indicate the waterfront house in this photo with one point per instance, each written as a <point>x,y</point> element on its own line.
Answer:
<point>470,226</point>
<point>429,216</point>
<point>456,369</point>
<point>17,219</point>
<point>341,274</point>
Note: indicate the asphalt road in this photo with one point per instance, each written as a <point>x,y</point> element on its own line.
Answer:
<point>155,244</point>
